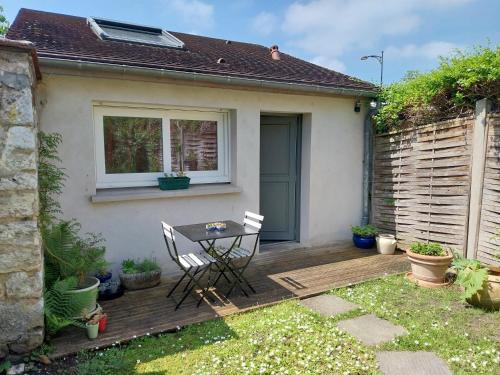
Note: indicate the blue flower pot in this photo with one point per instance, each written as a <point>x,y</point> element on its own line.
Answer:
<point>363,242</point>
<point>104,278</point>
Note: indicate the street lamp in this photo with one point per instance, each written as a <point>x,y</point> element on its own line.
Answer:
<point>380,59</point>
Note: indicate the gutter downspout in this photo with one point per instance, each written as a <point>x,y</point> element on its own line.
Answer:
<point>367,165</point>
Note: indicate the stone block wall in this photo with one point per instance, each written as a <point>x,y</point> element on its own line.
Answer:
<point>21,273</point>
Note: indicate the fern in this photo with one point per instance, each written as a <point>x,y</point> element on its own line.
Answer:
<point>61,306</point>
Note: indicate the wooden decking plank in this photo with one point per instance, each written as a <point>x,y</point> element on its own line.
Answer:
<point>275,274</point>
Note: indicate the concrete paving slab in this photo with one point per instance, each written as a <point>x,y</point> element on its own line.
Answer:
<point>371,330</point>
<point>411,363</point>
<point>329,305</point>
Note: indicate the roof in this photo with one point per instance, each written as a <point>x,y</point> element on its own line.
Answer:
<point>60,36</point>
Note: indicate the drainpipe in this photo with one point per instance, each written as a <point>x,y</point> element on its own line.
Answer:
<point>367,165</point>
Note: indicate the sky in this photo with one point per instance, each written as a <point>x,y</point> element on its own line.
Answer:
<point>331,33</point>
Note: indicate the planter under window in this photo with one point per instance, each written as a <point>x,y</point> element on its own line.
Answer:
<point>143,280</point>
<point>173,183</point>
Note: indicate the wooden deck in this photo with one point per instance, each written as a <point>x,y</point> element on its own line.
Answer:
<point>304,273</point>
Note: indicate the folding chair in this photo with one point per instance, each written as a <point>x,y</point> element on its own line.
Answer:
<point>194,266</point>
<point>240,257</point>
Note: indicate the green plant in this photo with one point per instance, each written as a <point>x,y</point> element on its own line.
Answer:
<point>5,366</point>
<point>4,27</point>
<point>448,91</point>
<point>431,249</point>
<point>130,266</point>
<point>471,275</point>
<point>67,254</point>
<point>50,177</point>
<point>365,230</point>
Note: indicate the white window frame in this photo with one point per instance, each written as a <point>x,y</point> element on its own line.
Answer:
<point>117,180</point>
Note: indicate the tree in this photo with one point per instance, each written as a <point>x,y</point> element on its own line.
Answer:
<point>4,24</point>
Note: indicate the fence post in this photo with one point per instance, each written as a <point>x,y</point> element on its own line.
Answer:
<point>478,159</point>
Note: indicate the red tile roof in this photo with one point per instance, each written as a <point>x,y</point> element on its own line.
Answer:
<point>71,38</point>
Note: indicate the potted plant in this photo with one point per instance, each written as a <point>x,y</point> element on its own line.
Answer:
<point>104,275</point>
<point>481,285</point>
<point>429,262</point>
<point>68,256</point>
<point>174,182</point>
<point>364,236</point>
<point>140,274</point>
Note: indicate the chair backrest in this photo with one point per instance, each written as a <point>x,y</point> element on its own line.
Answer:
<point>168,235</point>
<point>253,220</point>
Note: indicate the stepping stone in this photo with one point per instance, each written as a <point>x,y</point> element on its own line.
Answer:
<point>411,363</point>
<point>371,330</point>
<point>328,305</point>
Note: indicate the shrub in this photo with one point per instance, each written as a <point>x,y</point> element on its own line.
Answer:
<point>433,249</point>
<point>450,90</point>
<point>130,266</point>
<point>365,230</point>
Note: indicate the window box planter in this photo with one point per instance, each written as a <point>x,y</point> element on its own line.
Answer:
<point>143,280</point>
<point>173,183</point>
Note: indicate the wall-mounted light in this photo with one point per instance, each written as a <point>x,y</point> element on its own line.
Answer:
<point>373,104</point>
<point>357,106</point>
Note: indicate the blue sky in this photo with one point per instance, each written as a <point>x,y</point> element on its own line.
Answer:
<point>332,33</point>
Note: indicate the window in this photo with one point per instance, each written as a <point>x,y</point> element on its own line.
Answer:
<point>132,33</point>
<point>136,146</point>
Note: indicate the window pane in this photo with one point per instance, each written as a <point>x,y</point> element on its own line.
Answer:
<point>194,145</point>
<point>132,144</point>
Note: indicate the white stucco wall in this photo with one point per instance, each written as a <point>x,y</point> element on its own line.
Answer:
<point>331,161</point>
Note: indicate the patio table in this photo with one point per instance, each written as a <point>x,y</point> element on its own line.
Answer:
<point>198,233</point>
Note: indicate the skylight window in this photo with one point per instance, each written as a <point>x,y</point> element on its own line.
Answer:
<point>131,33</point>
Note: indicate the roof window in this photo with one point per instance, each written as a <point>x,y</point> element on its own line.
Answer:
<point>132,33</point>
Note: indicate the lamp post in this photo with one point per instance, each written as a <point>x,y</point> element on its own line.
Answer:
<point>380,59</point>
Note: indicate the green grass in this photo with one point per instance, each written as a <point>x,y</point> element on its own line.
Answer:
<point>290,339</point>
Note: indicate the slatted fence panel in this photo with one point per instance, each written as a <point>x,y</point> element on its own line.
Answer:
<point>488,247</point>
<point>421,183</point>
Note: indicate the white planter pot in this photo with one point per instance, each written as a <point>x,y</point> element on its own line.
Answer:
<point>386,244</point>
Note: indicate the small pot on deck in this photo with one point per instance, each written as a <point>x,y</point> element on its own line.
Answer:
<point>386,244</point>
<point>92,330</point>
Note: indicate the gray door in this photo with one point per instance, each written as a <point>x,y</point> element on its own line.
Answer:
<point>278,177</point>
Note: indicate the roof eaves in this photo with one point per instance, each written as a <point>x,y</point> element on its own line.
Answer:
<point>203,77</point>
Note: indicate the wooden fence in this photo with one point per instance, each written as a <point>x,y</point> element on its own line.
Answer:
<point>489,230</point>
<point>422,186</point>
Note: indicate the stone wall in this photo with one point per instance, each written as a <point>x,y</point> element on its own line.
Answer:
<point>21,280</point>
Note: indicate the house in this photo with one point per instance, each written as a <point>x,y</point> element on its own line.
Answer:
<point>255,129</point>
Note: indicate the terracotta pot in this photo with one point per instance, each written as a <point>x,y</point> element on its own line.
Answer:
<point>429,268</point>
<point>386,244</point>
<point>489,296</point>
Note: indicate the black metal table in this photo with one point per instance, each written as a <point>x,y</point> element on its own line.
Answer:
<point>206,239</point>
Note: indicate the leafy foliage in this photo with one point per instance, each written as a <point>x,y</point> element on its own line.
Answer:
<point>4,25</point>
<point>67,254</point>
<point>448,91</point>
<point>365,230</point>
<point>432,249</point>
<point>50,177</point>
<point>471,275</point>
<point>130,266</point>
<point>61,306</point>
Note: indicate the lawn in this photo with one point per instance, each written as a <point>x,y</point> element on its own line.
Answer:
<point>290,339</point>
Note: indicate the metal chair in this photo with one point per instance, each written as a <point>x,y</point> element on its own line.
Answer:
<point>194,266</point>
<point>240,257</point>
